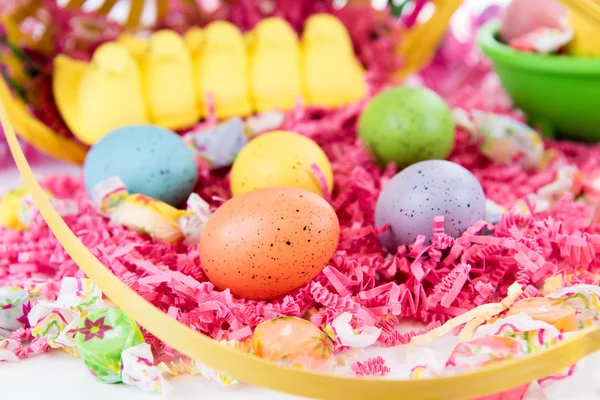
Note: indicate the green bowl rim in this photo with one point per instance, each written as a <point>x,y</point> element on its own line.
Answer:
<point>501,53</point>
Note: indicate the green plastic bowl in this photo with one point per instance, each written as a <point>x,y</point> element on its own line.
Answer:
<point>560,94</point>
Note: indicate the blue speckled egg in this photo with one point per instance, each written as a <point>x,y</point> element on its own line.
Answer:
<point>416,195</point>
<point>150,160</point>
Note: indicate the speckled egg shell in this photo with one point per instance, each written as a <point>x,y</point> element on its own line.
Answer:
<point>150,160</point>
<point>415,196</point>
<point>268,242</point>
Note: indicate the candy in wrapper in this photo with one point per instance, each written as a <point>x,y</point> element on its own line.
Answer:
<point>102,336</point>
<point>342,333</point>
<point>294,342</point>
<point>588,183</point>
<point>143,214</point>
<point>493,211</point>
<point>535,336</point>
<point>8,349</point>
<point>215,376</point>
<point>585,299</point>
<point>563,183</point>
<point>139,369</point>
<point>219,145</point>
<point>17,209</point>
<point>543,40</point>
<point>57,321</point>
<point>13,306</point>
<point>555,312</point>
<point>268,121</point>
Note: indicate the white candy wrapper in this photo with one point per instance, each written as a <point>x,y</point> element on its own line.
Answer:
<point>264,122</point>
<point>13,306</point>
<point>29,211</point>
<point>219,145</point>
<point>139,370</point>
<point>494,211</point>
<point>8,348</point>
<point>585,299</point>
<point>214,376</point>
<point>341,332</point>
<point>57,321</point>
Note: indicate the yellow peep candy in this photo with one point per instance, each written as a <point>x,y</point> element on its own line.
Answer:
<point>331,74</point>
<point>136,45</point>
<point>274,54</point>
<point>101,96</point>
<point>193,40</point>
<point>168,81</point>
<point>223,70</point>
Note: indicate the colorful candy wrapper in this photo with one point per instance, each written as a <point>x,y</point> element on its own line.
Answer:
<point>341,332</point>
<point>219,145</point>
<point>143,214</point>
<point>294,342</point>
<point>585,299</point>
<point>588,183</point>
<point>13,306</point>
<point>102,336</point>
<point>57,321</point>
<point>17,209</point>
<point>544,40</point>
<point>139,369</point>
<point>505,140</point>
<point>8,350</point>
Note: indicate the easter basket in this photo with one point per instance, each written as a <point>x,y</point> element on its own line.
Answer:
<point>31,35</point>
<point>33,32</point>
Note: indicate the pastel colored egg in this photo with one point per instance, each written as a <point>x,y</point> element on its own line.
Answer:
<point>150,160</point>
<point>415,196</point>
<point>266,243</point>
<point>405,125</point>
<point>280,158</point>
<point>295,342</point>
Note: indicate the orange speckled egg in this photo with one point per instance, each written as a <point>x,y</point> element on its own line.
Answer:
<point>265,243</point>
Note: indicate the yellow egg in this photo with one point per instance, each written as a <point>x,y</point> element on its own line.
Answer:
<point>586,39</point>
<point>280,158</point>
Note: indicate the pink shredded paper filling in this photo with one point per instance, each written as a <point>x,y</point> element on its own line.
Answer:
<point>428,283</point>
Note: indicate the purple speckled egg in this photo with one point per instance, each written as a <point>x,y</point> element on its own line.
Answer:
<point>415,196</point>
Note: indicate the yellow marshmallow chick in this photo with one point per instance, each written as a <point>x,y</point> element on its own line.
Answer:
<point>136,45</point>
<point>193,40</point>
<point>331,74</point>
<point>168,81</point>
<point>274,56</point>
<point>98,97</point>
<point>586,39</point>
<point>223,70</point>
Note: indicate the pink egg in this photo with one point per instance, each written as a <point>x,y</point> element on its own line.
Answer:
<point>523,16</point>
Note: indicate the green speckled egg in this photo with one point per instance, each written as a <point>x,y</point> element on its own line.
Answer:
<point>405,125</point>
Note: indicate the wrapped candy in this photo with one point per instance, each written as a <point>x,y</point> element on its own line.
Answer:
<point>341,332</point>
<point>215,376</point>
<point>139,369</point>
<point>555,312</point>
<point>264,122</point>
<point>57,321</point>
<point>102,336</point>
<point>585,299</point>
<point>544,40</point>
<point>219,145</point>
<point>17,209</point>
<point>295,342</point>
<point>14,302</point>
<point>505,140</point>
<point>152,217</point>
<point>493,211</point>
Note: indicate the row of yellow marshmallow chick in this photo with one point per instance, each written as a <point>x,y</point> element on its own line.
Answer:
<point>166,80</point>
